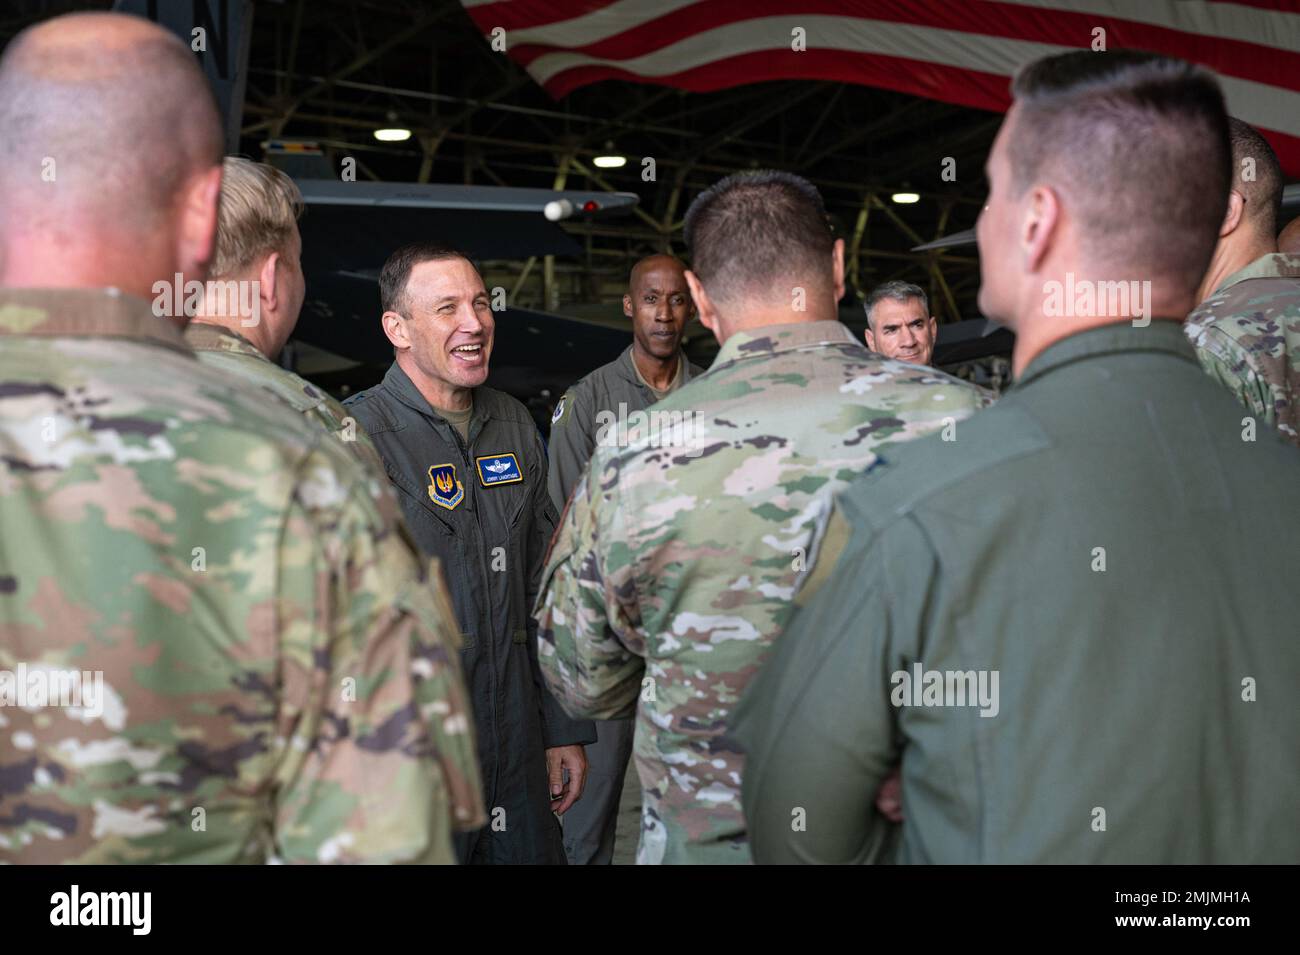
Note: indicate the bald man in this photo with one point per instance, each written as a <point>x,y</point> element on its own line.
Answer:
<point>1288,240</point>
<point>596,411</point>
<point>215,646</point>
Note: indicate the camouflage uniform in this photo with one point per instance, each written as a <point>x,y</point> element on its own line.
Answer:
<point>1247,337</point>
<point>673,571</point>
<point>579,420</point>
<point>225,349</point>
<point>279,680</point>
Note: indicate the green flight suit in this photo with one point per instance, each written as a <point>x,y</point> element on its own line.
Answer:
<point>1105,542</point>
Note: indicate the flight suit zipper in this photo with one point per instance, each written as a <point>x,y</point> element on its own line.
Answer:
<point>489,637</point>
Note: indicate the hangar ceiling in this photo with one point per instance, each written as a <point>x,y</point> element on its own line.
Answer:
<point>333,71</point>
<point>478,118</point>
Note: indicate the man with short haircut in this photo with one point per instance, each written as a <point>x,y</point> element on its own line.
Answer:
<point>899,323</point>
<point>258,263</point>
<point>273,680</point>
<point>1247,327</point>
<point>599,409</point>
<point>470,472</point>
<point>675,564</point>
<point>1065,625</point>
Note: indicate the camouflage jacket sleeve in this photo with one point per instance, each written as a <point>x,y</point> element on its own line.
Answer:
<point>558,727</point>
<point>816,723</point>
<point>375,746</point>
<point>1235,374</point>
<point>572,441</point>
<point>590,642</point>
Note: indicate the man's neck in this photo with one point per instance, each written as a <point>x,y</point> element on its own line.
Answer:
<point>1046,318</point>
<point>658,373</point>
<point>33,262</point>
<point>1232,255</point>
<point>755,320</point>
<point>439,393</point>
<point>254,335</point>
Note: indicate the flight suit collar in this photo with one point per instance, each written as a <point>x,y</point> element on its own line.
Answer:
<point>774,339</point>
<point>1275,265</point>
<point>205,336</point>
<point>1162,335</point>
<point>627,367</point>
<point>398,383</point>
<point>86,313</point>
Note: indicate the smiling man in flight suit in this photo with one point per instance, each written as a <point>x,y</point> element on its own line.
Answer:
<point>470,472</point>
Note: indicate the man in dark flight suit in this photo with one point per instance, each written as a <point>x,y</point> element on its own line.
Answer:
<point>470,471</point>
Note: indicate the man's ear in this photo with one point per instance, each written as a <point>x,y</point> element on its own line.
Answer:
<point>268,288</point>
<point>837,265</point>
<point>1232,215</point>
<point>934,327</point>
<point>704,306</point>
<point>869,338</point>
<point>1038,228</point>
<point>197,236</point>
<point>395,329</point>
<point>627,305</point>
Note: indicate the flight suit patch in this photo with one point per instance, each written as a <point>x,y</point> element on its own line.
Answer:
<point>494,469</point>
<point>444,489</point>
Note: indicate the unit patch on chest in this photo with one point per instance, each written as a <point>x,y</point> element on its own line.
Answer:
<point>445,489</point>
<point>494,469</point>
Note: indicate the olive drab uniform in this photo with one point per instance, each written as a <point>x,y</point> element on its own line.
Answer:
<point>1075,626</point>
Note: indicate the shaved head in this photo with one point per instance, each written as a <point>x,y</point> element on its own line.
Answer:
<point>657,261</point>
<point>107,120</point>
<point>1288,240</point>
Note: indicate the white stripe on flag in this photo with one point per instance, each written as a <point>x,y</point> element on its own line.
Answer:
<point>1260,104</point>
<point>599,24</point>
<point>1231,21</point>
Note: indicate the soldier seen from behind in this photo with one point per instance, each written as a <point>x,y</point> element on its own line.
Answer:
<point>675,565</point>
<point>214,645</point>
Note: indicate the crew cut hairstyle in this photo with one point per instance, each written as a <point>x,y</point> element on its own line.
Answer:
<point>1252,156</point>
<point>258,214</point>
<point>755,235</point>
<point>1137,145</point>
<point>397,270</point>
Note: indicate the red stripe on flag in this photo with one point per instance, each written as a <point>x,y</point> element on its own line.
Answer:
<point>1250,61</point>
<point>518,14</point>
<point>947,84</point>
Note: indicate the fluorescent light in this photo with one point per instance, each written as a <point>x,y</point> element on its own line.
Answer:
<point>610,162</point>
<point>903,198</point>
<point>392,135</point>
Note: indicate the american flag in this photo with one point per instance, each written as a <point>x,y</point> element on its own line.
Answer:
<point>957,52</point>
